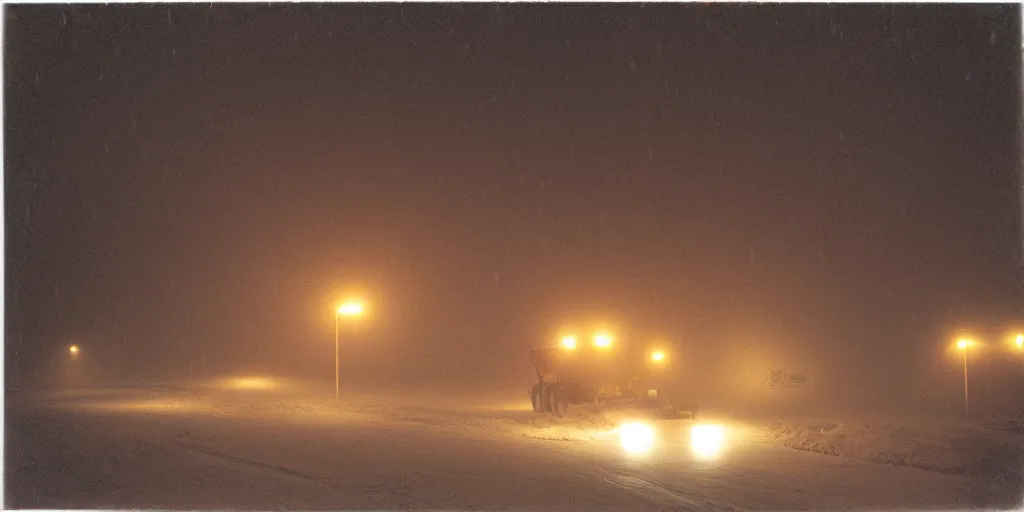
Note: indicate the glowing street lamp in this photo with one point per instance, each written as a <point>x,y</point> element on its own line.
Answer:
<point>351,310</point>
<point>1019,341</point>
<point>658,356</point>
<point>73,350</point>
<point>963,344</point>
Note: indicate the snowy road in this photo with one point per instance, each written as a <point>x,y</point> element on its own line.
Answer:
<point>168,449</point>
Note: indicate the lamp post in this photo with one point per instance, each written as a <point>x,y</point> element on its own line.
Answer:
<point>1018,342</point>
<point>963,344</point>
<point>350,309</point>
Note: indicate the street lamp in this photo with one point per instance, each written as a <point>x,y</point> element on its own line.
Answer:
<point>963,344</point>
<point>658,356</point>
<point>349,309</point>
<point>602,340</point>
<point>1019,341</point>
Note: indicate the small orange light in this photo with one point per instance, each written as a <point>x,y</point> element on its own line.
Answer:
<point>569,342</point>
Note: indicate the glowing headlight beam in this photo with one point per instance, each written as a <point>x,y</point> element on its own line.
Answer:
<point>636,438</point>
<point>707,441</point>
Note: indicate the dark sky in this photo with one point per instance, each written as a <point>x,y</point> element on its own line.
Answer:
<point>836,183</point>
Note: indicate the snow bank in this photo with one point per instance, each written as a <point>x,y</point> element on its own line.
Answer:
<point>956,448</point>
<point>578,424</point>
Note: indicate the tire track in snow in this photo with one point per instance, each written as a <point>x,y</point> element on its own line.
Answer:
<point>252,463</point>
<point>647,488</point>
<point>380,488</point>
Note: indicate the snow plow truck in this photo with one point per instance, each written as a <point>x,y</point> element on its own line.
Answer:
<point>606,375</point>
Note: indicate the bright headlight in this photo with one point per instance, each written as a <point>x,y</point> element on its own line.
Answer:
<point>707,441</point>
<point>636,438</point>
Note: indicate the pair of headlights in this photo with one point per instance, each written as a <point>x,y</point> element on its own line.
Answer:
<point>639,438</point>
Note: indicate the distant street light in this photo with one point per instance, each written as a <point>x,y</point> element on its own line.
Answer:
<point>963,344</point>
<point>602,340</point>
<point>658,356</point>
<point>1019,341</point>
<point>348,309</point>
<point>73,350</point>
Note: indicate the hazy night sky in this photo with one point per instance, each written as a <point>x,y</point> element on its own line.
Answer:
<point>836,183</point>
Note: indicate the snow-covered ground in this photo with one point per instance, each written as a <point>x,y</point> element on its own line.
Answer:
<point>271,447</point>
<point>989,449</point>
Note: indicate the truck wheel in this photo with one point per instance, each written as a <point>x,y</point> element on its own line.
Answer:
<point>548,399</point>
<point>536,394</point>
<point>561,404</point>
